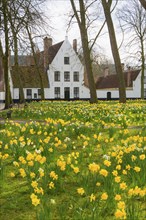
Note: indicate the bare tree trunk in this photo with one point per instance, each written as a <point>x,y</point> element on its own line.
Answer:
<point>142,68</point>
<point>15,30</point>
<point>21,93</point>
<point>122,93</point>
<point>86,50</point>
<point>36,64</point>
<point>88,65</point>
<point>8,99</point>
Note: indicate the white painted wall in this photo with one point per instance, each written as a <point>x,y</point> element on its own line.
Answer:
<point>134,92</point>
<point>131,92</point>
<point>2,96</point>
<point>57,64</point>
<point>34,91</point>
<point>145,83</point>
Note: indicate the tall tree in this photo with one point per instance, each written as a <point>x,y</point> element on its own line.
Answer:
<point>30,17</point>
<point>80,16</point>
<point>4,12</point>
<point>133,20</point>
<point>15,26</point>
<point>114,47</point>
<point>14,17</point>
<point>36,62</point>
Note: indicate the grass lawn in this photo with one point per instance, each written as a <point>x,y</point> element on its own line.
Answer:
<point>73,160</point>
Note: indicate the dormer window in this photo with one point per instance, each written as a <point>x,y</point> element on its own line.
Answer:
<point>66,60</point>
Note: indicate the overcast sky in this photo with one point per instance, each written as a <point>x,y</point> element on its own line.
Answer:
<point>59,16</point>
<point>58,11</point>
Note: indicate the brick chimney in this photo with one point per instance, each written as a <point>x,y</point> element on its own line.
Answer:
<point>75,45</point>
<point>47,44</point>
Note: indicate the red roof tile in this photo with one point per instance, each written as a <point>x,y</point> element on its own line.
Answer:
<point>53,51</point>
<point>111,81</point>
<point>29,77</point>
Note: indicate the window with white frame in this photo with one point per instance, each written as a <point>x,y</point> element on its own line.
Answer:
<point>56,76</point>
<point>29,93</point>
<point>57,92</point>
<point>39,93</point>
<point>66,60</point>
<point>66,76</point>
<point>76,76</point>
<point>76,92</point>
<point>35,96</point>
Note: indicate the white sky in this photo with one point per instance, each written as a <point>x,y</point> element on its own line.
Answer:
<point>58,13</point>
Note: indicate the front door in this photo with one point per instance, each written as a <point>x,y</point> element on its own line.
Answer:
<point>67,93</point>
<point>108,95</point>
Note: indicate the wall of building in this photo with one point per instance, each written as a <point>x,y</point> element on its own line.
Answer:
<point>35,94</point>
<point>131,92</point>
<point>75,65</point>
<point>134,92</point>
<point>145,84</point>
<point>2,97</point>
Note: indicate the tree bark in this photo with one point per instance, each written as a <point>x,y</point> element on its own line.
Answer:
<point>122,93</point>
<point>8,99</point>
<point>15,29</point>
<point>36,64</point>
<point>142,68</point>
<point>143,3</point>
<point>86,50</point>
<point>21,93</point>
<point>88,66</point>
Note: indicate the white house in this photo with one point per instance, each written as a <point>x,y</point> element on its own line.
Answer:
<point>65,72</point>
<point>107,86</point>
<point>64,77</point>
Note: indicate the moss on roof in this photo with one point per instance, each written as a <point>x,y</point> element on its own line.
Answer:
<point>29,77</point>
<point>111,81</point>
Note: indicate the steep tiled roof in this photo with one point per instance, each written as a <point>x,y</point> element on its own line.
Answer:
<point>111,81</point>
<point>133,75</point>
<point>22,60</point>
<point>53,51</point>
<point>1,77</point>
<point>29,77</point>
<point>28,60</point>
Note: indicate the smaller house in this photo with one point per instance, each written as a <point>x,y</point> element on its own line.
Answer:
<point>107,86</point>
<point>30,82</point>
